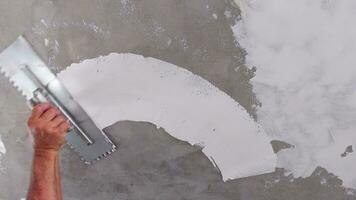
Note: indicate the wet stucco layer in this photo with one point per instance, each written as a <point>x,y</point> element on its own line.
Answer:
<point>150,164</point>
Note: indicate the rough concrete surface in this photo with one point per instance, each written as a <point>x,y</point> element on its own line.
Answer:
<point>150,164</point>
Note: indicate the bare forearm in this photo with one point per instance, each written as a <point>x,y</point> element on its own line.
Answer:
<point>45,183</point>
<point>48,128</point>
<point>58,180</point>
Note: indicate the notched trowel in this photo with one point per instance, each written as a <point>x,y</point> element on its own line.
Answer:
<point>31,76</point>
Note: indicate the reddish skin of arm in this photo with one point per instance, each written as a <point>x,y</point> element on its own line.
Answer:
<point>48,127</point>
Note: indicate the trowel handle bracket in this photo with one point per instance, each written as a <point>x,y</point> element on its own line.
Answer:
<point>42,95</point>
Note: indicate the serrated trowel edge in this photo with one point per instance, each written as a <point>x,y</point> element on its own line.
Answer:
<point>20,55</point>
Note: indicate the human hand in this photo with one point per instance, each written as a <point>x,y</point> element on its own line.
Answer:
<point>48,127</point>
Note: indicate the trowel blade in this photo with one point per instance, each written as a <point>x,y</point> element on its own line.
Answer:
<point>29,74</point>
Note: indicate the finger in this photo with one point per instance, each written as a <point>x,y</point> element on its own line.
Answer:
<point>57,121</point>
<point>39,109</point>
<point>63,127</point>
<point>50,114</point>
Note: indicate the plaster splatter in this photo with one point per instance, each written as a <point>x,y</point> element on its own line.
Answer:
<point>304,52</point>
<point>2,150</point>
<point>2,147</point>
<point>122,87</point>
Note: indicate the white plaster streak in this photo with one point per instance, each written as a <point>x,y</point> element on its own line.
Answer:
<point>304,52</point>
<point>2,147</point>
<point>46,42</point>
<point>44,22</point>
<point>215,16</point>
<point>130,87</point>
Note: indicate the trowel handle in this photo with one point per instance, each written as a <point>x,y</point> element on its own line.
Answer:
<point>42,96</point>
<point>38,98</point>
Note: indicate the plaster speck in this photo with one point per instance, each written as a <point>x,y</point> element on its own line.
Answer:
<point>2,147</point>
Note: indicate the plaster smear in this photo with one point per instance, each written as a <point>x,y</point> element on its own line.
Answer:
<point>304,52</point>
<point>121,87</point>
<point>2,147</point>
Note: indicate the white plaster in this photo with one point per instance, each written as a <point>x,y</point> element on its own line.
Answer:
<point>121,87</point>
<point>46,42</point>
<point>304,52</point>
<point>2,147</point>
<point>44,22</point>
<point>215,16</point>
<point>228,14</point>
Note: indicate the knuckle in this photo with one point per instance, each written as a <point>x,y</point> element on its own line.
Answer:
<point>61,118</point>
<point>62,128</point>
<point>55,109</point>
<point>58,132</point>
<point>66,126</point>
<point>37,107</point>
<point>52,110</point>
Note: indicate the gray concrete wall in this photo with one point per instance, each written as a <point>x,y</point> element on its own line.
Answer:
<point>150,164</point>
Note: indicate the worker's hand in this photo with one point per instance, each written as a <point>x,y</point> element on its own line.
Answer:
<point>48,127</point>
